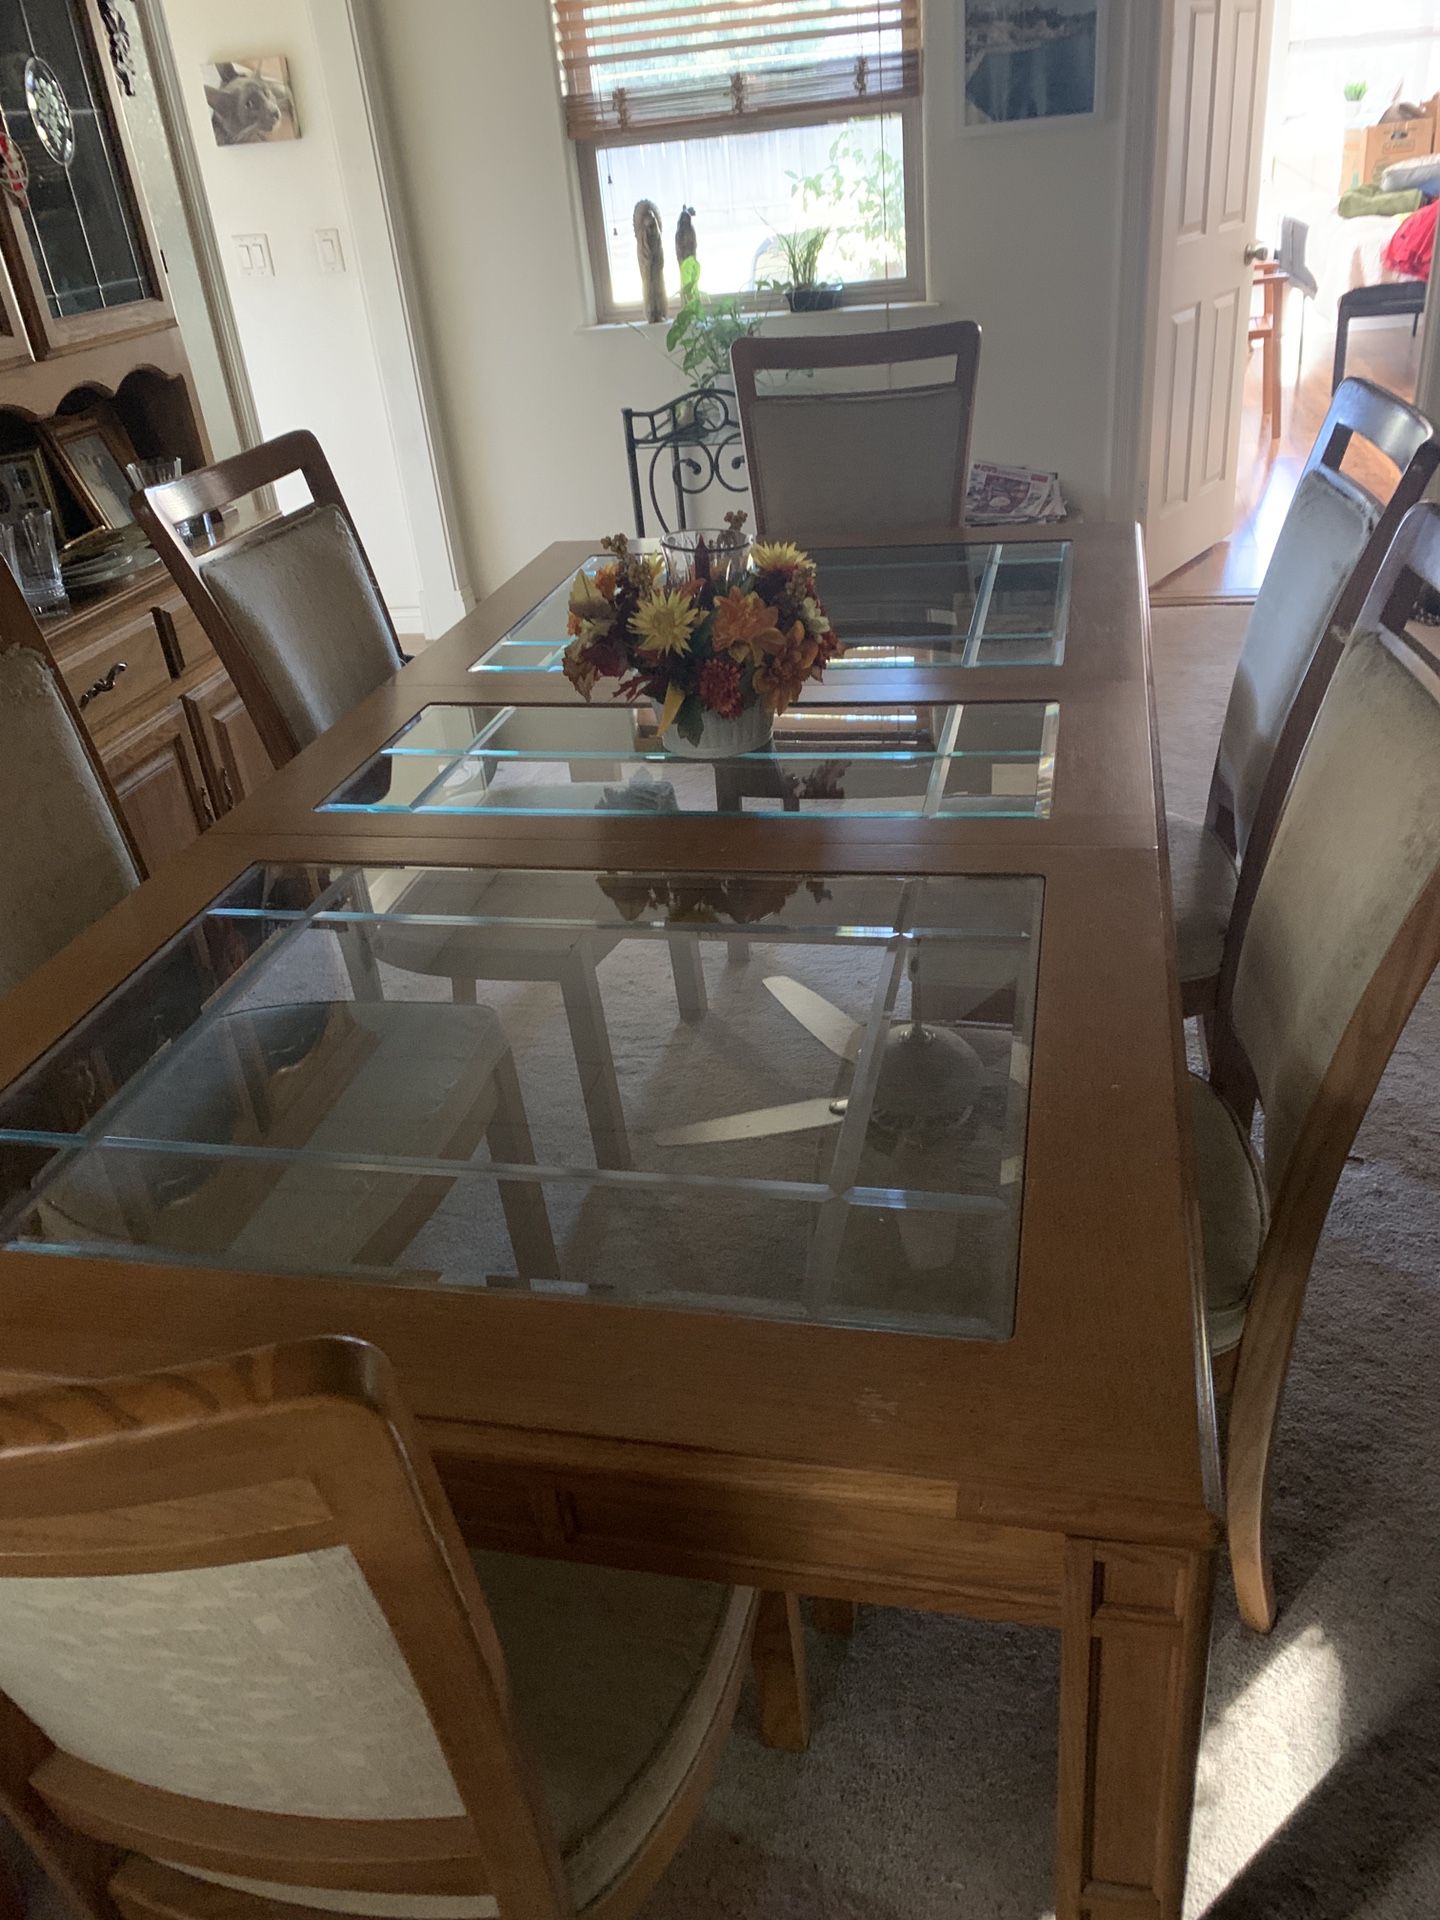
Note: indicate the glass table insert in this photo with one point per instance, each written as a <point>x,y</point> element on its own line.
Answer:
<point>920,762</point>
<point>1006,604</point>
<point>782,1096</point>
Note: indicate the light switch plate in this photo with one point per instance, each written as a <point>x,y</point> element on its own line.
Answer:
<point>254,255</point>
<point>328,250</point>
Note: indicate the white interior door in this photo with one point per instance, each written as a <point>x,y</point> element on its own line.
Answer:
<point>1210,147</point>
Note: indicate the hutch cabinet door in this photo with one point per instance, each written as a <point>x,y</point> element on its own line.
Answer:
<point>235,761</point>
<point>85,263</point>
<point>160,785</point>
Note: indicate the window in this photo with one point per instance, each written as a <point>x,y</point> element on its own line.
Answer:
<point>765,117</point>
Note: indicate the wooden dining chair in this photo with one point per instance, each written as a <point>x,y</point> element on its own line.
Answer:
<point>290,603</point>
<point>858,433</point>
<point>1327,556</point>
<point>248,1667</point>
<point>1317,984</point>
<point>67,855</point>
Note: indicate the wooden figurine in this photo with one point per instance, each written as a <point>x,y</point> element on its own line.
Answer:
<point>650,248</point>
<point>685,237</point>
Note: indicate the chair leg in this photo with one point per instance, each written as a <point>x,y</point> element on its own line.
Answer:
<point>777,1654</point>
<point>835,1617</point>
<point>1254,1410</point>
<point>523,1201</point>
<point>689,972</point>
<point>599,1087</point>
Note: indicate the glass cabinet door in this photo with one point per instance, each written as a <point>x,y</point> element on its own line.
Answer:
<point>83,253</point>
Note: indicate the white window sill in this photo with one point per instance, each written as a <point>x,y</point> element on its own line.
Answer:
<point>770,315</point>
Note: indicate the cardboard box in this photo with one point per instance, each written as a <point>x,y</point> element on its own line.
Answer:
<point>1369,150</point>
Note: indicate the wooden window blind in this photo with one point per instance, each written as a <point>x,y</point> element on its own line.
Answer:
<point>633,68</point>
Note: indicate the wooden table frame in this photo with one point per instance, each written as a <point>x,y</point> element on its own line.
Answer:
<point>1067,1477</point>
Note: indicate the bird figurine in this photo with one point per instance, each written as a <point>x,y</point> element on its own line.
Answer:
<point>685,237</point>
<point>650,250</point>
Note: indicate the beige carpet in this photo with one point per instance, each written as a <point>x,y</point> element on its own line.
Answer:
<point>927,1793</point>
<point>928,1790</point>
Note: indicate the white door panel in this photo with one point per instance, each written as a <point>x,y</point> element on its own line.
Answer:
<point>1218,62</point>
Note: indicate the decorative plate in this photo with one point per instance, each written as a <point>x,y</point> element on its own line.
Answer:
<point>49,110</point>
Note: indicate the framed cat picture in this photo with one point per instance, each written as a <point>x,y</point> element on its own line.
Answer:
<point>250,101</point>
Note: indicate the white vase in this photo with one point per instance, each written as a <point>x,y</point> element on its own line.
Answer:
<point>722,739</point>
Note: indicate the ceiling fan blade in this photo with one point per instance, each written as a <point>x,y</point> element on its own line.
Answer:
<point>929,1239</point>
<point>802,1116</point>
<point>821,1017</point>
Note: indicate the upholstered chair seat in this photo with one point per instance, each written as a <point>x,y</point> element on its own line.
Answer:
<point>616,1678</point>
<point>340,1081</point>
<point>246,1647</point>
<point>1203,879</point>
<point>65,859</point>
<point>300,599</point>
<point>1233,1212</point>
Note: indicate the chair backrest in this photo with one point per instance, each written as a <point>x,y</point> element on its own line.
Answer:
<point>1327,556</point>
<point>868,432</point>
<point>1294,241</point>
<point>1344,928</point>
<point>67,854</point>
<point>240,1634</point>
<point>292,605</point>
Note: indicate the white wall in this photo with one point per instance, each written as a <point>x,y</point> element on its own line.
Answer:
<point>308,345</point>
<point>1024,236</point>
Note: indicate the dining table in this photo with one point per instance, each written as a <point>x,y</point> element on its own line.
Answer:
<point>773,1170</point>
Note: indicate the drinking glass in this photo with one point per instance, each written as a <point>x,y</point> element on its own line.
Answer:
<point>38,556</point>
<point>158,472</point>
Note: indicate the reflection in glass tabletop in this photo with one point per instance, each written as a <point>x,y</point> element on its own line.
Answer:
<point>921,762</point>
<point>960,606</point>
<point>781,1096</point>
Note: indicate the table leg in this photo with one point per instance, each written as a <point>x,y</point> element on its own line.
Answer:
<point>1274,351</point>
<point>594,1061</point>
<point>1135,1637</point>
<point>777,1654</point>
<point>835,1617</point>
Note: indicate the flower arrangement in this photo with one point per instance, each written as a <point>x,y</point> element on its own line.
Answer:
<point>720,642</point>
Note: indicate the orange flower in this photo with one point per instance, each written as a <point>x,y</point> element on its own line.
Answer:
<point>606,580</point>
<point>788,663</point>
<point>744,624</point>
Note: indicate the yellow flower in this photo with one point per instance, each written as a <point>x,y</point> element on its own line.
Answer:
<point>665,623</point>
<point>778,556</point>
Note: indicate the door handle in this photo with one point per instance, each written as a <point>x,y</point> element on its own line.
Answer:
<point>1255,253</point>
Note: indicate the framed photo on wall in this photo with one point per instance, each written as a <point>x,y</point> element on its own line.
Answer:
<point>1033,60</point>
<point>25,483</point>
<point>92,450</point>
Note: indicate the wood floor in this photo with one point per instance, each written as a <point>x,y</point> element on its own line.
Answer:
<point>1380,350</point>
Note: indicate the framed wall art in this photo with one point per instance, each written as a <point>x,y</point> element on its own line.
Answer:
<point>1026,62</point>
<point>92,450</point>
<point>25,483</point>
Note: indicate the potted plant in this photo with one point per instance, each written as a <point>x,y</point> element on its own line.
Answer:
<point>704,330</point>
<point>801,285</point>
<point>1355,92</point>
<point>720,635</point>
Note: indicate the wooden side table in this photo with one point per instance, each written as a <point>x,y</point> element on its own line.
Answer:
<point>1267,327</point>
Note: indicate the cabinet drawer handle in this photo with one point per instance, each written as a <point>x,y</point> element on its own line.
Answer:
<point>106,684</point>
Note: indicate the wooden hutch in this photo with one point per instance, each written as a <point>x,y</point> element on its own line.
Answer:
<point>85,321</point>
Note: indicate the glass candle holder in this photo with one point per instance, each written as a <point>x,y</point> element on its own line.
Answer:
<point>718,554</point>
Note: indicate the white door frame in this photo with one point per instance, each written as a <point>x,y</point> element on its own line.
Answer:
<point>387,280</point>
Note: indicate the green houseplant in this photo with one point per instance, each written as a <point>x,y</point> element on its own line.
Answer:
<point>704,329</point>
<point>801,285</point>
